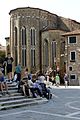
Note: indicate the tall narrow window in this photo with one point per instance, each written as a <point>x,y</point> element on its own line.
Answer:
<point>62,47</point>
<point>54,48</point>
<point>46,53</point>
<point>23,36</point>
<point>33,36</point>
<point>16,43</point>
<point>32,57</point>
<point>23,57</point>
<point>15,36</point>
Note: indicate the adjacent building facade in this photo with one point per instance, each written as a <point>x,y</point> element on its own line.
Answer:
<point>36,39</point>
<point>72,56</point>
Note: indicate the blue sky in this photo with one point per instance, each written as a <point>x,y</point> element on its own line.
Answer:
<point>65,8</point>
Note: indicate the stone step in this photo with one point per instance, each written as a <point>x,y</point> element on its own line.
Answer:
<point>29,102</point>
<point>12,88</point>
<point>8,98</point>
<point>14,84</point>
<point>13,91</point>
<point>17,101</point>
<point>16,94</point>
<point>11,94</point>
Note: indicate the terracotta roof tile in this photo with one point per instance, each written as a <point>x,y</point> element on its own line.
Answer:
<point>75,32</point>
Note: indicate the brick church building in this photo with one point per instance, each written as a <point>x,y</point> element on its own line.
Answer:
<point>36,39</point>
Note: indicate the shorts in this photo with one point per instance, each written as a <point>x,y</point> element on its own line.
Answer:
<point>2,79</point>
<point>9,68</point>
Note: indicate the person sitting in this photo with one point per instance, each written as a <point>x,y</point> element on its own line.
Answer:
<point>24,87</point>
<point>34,87</point>
<point>3,84</point>
<point>29,88</point>
<point>45,91</point>
<point>29,85</point>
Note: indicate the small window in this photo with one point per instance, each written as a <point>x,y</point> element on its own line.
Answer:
<point>72,39</point>
<point>70,68</point>
<point>73,77</point>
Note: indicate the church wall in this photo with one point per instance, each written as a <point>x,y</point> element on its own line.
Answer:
<point>40,20</point>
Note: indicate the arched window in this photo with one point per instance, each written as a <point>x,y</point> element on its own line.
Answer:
<point>46,59</point>
<point>33,36</point>
<point>23,36</point>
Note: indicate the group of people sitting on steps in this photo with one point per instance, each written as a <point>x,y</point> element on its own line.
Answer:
<point>29,85</point>
<point>33,85</point>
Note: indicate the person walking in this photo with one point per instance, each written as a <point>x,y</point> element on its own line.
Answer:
<point>57,79</point>
<point>66,80</point>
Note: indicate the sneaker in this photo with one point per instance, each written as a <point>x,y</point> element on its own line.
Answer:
<point>8,93</point>
<point>10,81</point>
<point>2,93</point>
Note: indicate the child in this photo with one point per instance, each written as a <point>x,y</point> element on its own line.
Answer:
<point>57,79</point>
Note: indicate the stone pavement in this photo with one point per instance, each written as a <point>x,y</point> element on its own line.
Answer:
<point>63,87</point>
<point>65,105</point>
